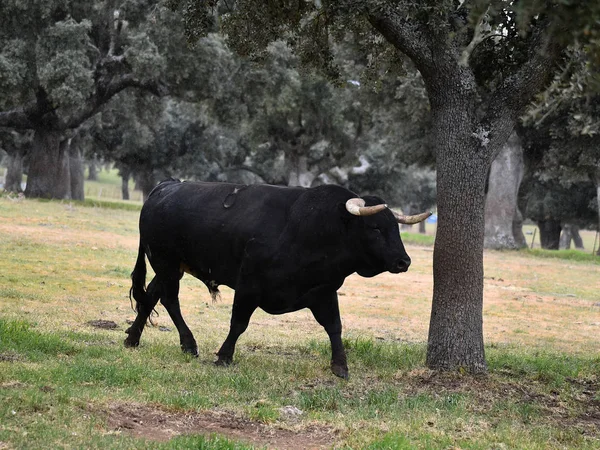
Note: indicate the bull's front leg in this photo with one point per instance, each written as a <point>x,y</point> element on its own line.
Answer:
<point>327,313</point>
<point>240,317</point>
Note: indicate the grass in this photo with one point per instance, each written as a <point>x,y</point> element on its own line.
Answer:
<point>570,255</point>
<point>66,384</point>
<point>108,187</point>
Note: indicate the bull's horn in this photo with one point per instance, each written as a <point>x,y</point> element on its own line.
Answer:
<point>356,206</point>
<point>411,220</point>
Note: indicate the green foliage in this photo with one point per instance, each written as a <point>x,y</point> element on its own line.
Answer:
<point>64,67</point>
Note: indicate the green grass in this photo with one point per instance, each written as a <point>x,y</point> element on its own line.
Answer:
<point>417,238</point>
<point>64,264</point>
<point>108,187</point>
<point>570,255</point>
<point>53,379</point>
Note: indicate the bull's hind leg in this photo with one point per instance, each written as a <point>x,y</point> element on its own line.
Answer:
<point>144,309</point>
<point>170,301</point>
<point>240,317</point>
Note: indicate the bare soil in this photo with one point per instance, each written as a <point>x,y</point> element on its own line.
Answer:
<point>103,324</point>
<point>158,424</point>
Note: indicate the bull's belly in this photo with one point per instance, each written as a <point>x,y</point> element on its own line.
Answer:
<point>211,278</point>
<point>282,308</point>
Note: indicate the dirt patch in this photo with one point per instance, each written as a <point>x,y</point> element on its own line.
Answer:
<point>9,357</point>
<point>104,324</point>
<point>157,424</point>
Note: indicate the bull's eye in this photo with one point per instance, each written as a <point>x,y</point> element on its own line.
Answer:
<point>377,230</point>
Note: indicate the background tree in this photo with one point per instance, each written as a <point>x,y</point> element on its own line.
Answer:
<point>16,146</point>
<point>60,62</point>
<point>563,127</point>
<point>503,219</point>
<point>478,85</point>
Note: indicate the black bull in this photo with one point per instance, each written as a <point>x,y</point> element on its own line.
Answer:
<point>280,248</point>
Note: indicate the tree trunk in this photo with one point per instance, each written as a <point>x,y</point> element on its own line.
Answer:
<point>501,208</point>
<point>125,183</point>
<point>146,181</point>
<point>565,237</point>
<point>422,229</point>
<point>14,172</point>
<point>93,169</point>
<point>77,170</point>
<point>518,229</point>
<point>456,325</point>
<point>597,181</point>
<point>577,237</point>
<point>550,233</point>
<point>49,174</point>
<point>299,174</point>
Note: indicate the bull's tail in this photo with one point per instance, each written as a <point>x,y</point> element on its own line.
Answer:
<point>138,283</point>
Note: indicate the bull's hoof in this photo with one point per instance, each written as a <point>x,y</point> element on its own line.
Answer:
<point>191,350</point>
<point>340,370</point>
<point>130,343</point>
<point>224,361</point>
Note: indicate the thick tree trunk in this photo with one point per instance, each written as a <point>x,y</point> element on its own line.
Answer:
<point>517,227</point>
<point>49,174</point>
<point>565,237</point>
<point>597,181</point>
<point>125,183</point>
<point>550,233</point>
<point>501,208</point>
<point>146,182</point>
<point>14,172</point>
<point>456,325</point>
<point>77,170</point>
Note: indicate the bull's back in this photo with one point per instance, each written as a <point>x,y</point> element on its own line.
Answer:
<point>207,226</point>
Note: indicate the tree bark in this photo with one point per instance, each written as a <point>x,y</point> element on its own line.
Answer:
<point>577,237</point>
<point>125,184</point>
<point>550,233</point>
<point>77,169</point>
<point>596,178</point>
<point>93,169</point>
<point>518,229</point>
<point>456,325</point>
<point>146,182</point>
<point>14,172</point>
<point>501,208</point>
<point>49,174</point>
<point>422,229</point>
<point>565,237</point>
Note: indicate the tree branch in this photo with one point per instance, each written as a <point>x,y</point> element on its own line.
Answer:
<point>517,90</point>
<point>31,115</point>
<point>104,93</point>
<point>17,118</point>
<point>405,36</point>
<point>478,36</point>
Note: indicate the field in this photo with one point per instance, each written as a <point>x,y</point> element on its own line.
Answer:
<point>66,381</point>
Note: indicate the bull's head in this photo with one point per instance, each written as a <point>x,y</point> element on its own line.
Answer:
<point>383,249</point>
